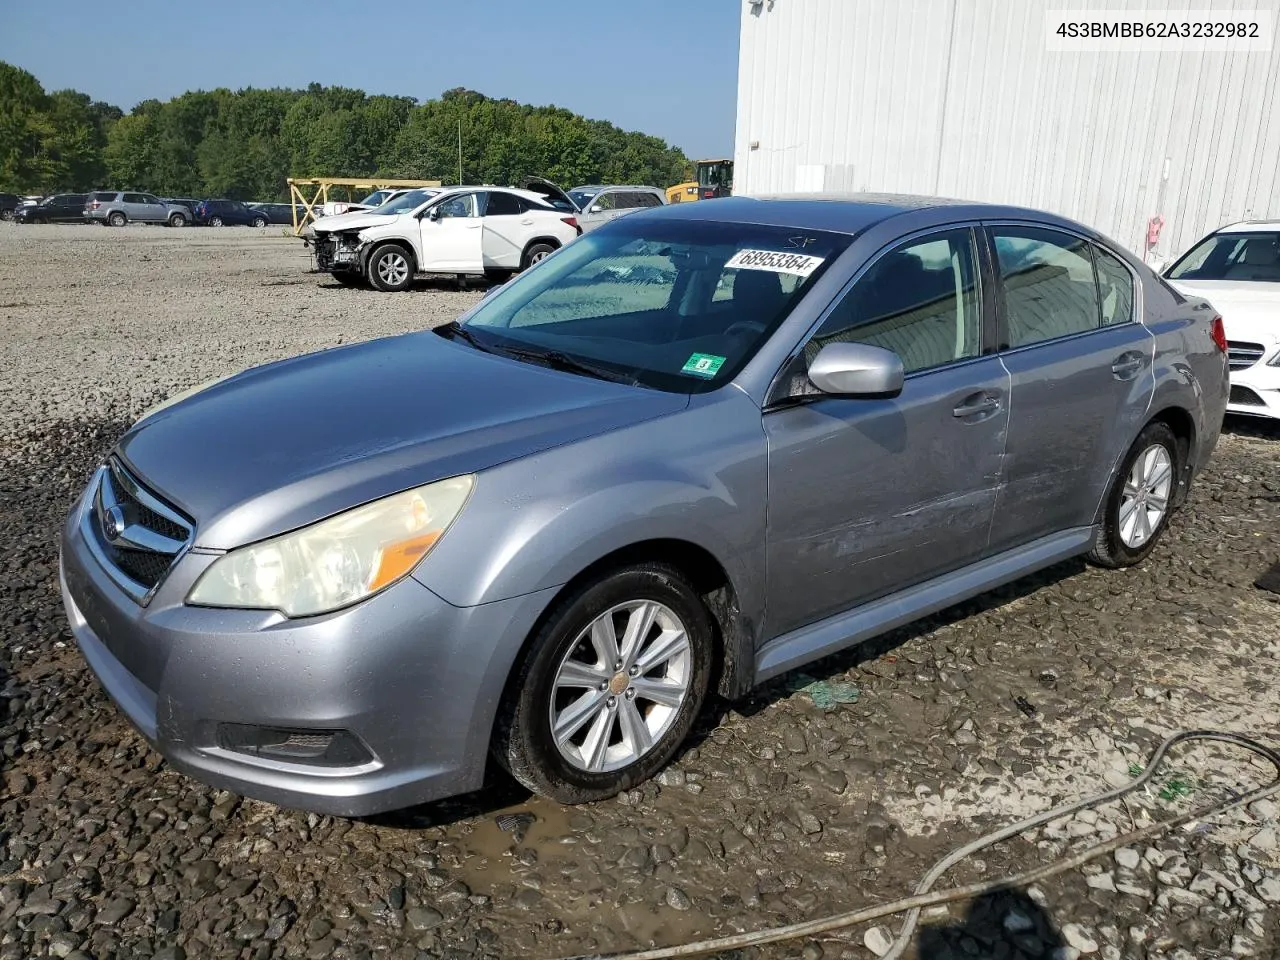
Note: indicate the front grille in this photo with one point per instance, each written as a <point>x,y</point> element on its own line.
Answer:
<point>137,535</point>
<point>1242,354</point>
<point>1245,397</point>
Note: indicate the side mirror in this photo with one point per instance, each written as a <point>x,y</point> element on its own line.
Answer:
<point>434,213</point>
<point>856,370</point>
<point>596,208</point>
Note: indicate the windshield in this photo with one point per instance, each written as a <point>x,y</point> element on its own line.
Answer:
<point>676,305</point>
<point>581,197</point>
<point>375,199</point>
<point>1232,256</point>
<point>405,202</point>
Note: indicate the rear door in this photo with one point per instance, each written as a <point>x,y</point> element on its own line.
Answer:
<point>452,241</point>
<point>135,206</point>
<point>1080,365</point>
<point>70,207</point>
<point>507,229</point>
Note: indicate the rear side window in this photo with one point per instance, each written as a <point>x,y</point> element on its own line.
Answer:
<point>919,300</point>
<point>647,200</point>
<point>502,205</point>
<point>134,198</point>
<point>104,197</point>
<point>1115,288</point>
<point>1049,288</point>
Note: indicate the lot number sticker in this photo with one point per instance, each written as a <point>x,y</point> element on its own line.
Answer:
<point>775,261</point>
<point>703,365</point>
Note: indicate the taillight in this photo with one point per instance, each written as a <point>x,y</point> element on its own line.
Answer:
<point>573,222</point>
<point>709,194</point>
<point>1218,334</point>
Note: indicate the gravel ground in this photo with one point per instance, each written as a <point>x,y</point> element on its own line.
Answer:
<point>820,793</point>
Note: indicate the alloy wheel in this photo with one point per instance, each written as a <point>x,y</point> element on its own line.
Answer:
<point>620,686</point>
<point>1145,500</point>
<point>393,268</point>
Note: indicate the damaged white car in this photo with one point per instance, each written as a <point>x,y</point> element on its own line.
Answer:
<point>457,231</point>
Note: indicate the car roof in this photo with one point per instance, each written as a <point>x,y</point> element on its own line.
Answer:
<point>1249,226</point>
<point>616,186</point>
<point>527,194</point>
<point>850,213</point>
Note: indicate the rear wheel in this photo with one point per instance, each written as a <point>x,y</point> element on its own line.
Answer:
<point>117,219</point>
<point>537,253</point>
<point>177,220</point>
<point>7,214</point>
<point>1140,499</point>
<point>610,686</point>
<point>391,268</point>
<point>215,221</point>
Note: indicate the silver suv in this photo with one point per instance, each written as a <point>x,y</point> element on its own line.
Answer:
<point>599,203</point>
<point>115,208</point>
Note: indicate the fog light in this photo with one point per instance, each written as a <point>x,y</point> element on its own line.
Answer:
<point>326,748</point>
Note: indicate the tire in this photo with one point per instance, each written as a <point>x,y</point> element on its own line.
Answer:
<point>602,749</point>
<point>7,214</point>
<point>177,220</point>
<point>259,221</point>
<point>537,252</point>
<point>117,219</point>
<point>1140,500</point>
<point>215,221</point>
<point>390,269</point>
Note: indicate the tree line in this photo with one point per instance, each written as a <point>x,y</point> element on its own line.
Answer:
<point>243,144</point>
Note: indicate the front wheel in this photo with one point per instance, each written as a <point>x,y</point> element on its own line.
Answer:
<point>259,221</point>
<point>1140,499</point>
<point>177,220</point>
<point>610,686</point>
<point>391,269</point>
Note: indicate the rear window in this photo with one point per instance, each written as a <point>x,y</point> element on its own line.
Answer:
<point>1254,255</point>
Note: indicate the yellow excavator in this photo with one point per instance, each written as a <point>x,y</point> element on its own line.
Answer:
<point>715,179</point>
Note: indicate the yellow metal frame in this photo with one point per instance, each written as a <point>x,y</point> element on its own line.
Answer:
<point>322,185</point>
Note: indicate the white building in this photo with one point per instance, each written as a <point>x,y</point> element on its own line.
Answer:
<point>964,98</point>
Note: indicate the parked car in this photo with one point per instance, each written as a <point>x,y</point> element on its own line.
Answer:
<point>376,199</point>
<point>60,208</point>
<point>545,531</point>
<point>115,208</point>
<point>229,213</point>
<point>599,204</point>
<point>189,202</point>
<point>493,231</point>
<point>1237,268</point>
<point>9,203</point>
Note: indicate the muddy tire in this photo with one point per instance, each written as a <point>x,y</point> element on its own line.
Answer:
<point>609,687</point>
<point>1140,500</point>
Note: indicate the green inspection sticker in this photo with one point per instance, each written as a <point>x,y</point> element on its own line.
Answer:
<point>703,365</point>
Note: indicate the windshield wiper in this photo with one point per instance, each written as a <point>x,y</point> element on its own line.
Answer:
<point>453,329</point>
<point>563,361</point>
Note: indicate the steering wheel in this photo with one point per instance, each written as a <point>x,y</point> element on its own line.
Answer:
<point>744,327</point>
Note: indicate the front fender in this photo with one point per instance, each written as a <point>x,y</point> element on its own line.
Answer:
<point>699,476</point>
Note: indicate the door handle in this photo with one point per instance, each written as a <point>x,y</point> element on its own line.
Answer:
<point>527,222</point>
<point>980,405</point>
<point>1127,365</point>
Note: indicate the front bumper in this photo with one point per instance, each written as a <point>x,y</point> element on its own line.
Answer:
<point>1255,390</point>
<point>333,254</point>
<point>412,679</point>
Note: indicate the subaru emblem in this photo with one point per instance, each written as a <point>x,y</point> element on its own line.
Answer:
<point>113,523</point>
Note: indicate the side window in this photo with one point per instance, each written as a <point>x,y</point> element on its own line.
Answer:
<point>148,198</point>
<point>647,200</point>
<point>134,198</point>
<point>463,205</point>
<point>919,300</point>
<point>1115,288</point>
<point>1049,289</point>
<point>502,205</point>
<point>605,201</point>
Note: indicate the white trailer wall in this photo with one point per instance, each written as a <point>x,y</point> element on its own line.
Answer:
<point>961,98</point>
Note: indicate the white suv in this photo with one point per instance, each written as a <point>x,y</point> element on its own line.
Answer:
<point>461,231</point>
<point>1237,269</point>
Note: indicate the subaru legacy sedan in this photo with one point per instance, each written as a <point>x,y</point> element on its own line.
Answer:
<point>693,450</point>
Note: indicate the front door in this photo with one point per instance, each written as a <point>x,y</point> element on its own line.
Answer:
<point>1080,367</point>
<point>452,240</point>
<point>869,496</point>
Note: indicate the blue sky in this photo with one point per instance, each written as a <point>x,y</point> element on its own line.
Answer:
<point>665,67</point>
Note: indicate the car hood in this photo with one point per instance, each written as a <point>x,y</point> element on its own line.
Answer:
<point>356,220</point>
<point>283,445</point>
<point>1250,310</point>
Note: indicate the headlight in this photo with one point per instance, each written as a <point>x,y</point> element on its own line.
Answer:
<point>1274,361</point>
<point>338,561</point>
<point>182,395</point>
